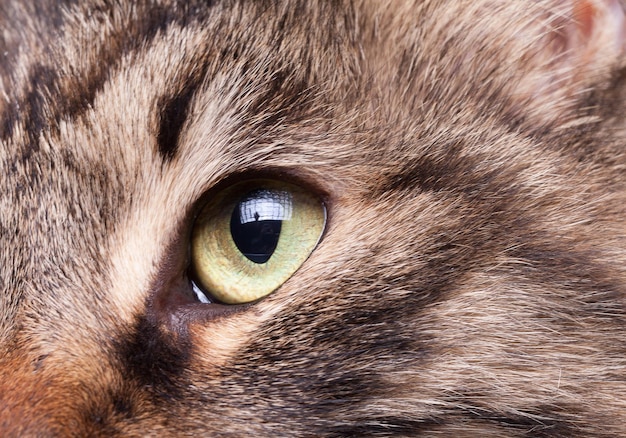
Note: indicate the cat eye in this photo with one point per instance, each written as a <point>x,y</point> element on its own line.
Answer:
<point>251,237</point>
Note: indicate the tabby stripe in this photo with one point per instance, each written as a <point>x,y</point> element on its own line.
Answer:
<point>385,426</point>
<point>543,421</point>
<point>152,359</point>
<point>174,113</point>
<point>496,204</point>
<point>45,100</point>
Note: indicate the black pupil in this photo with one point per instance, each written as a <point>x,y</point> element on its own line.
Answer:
<point>256,223</point>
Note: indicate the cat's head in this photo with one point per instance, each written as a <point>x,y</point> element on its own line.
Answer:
<point>408,217</point>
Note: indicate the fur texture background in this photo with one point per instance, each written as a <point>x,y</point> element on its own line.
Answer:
<point>472,277</point>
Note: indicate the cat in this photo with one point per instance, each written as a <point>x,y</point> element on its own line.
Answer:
<point>312,219</point>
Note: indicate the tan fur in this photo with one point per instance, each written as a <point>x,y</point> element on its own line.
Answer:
<point>471,155</point>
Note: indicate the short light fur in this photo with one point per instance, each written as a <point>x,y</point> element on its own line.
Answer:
<point>471,154</point>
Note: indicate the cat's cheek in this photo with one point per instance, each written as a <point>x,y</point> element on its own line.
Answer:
<point>217,342</point>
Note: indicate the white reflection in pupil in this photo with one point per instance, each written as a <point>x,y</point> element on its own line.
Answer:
<point>256,222</point>
<point>265,205</point>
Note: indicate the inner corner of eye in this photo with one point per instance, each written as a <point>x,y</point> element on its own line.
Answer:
<point>251,237</point>
<point>201,296</point>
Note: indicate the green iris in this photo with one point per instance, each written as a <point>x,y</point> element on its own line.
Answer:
<point>251,237</point>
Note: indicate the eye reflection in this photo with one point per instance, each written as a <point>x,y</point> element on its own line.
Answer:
<point>256,222</point>
<point>251,237</point>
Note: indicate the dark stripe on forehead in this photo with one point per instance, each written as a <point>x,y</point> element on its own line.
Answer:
<point>447,169</point>
<point>173,115</point>
<point>46,99</point>
<point>282,91</point>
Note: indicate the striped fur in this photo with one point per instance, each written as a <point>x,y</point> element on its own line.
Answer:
<point>472,277</point>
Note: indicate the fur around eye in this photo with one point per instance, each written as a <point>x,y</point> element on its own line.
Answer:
<point>251,237</point>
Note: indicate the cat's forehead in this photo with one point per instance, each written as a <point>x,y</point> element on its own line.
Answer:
<point>233,78</point>
<point>121,127</point>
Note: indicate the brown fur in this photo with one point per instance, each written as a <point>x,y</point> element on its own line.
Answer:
<point>472,277</point>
